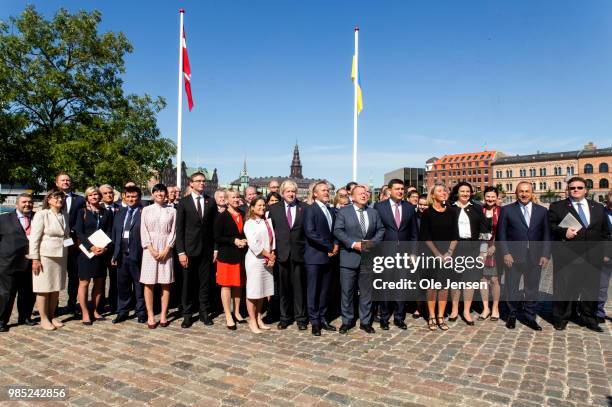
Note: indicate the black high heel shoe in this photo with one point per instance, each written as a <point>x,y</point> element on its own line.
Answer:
<point>239,321</point>
<point>231,327</point>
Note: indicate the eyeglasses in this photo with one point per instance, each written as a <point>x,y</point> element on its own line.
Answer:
<point>198,180</point>
<point>576,188</point>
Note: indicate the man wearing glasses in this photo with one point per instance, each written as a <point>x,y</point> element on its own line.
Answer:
<point>578,256</point>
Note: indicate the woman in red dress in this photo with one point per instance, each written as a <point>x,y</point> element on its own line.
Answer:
<point>231,246</point>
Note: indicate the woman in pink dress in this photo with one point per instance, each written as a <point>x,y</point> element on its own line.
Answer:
<point>157,232</point>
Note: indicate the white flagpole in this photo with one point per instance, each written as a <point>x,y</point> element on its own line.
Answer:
<point>355,113</point>
<point>179,129</point>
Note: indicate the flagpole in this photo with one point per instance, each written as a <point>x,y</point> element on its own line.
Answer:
<point>179,129</point>
<point>355,107</point>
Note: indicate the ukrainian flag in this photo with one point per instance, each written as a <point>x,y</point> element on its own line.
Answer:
<point>356,78</point>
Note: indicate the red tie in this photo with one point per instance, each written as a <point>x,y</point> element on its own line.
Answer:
<point>26,221</point>
<point>397,216</point>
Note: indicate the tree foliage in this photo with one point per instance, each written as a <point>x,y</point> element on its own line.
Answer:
<point>62,105</point>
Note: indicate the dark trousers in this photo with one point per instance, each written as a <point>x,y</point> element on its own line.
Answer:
<point>292,286</point>
<point>318,282</point>
<point>571,282</point>
<point>196,286</point>
<point>353,283</point>
<point>128,282</point>
<point>531,285</point>
<point>397,308</point>
<point>16,285</point>
<point>176,289</point>
<point>73,276</point>
<point>111,298</point>
<point>604,283</point>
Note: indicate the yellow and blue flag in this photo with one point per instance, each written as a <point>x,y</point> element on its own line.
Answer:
<point>359,94</point>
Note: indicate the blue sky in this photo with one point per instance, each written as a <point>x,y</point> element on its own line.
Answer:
<point>438,77</point>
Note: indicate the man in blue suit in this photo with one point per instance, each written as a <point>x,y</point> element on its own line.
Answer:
<point>355,224</point>
<point>127,256</point>
<point>320,247</point>
<point>523,233</point>
<point>399,220</point>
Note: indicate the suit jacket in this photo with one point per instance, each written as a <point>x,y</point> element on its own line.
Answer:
<point>78,203</point>
<point>87,224</point>
<point>408,229</point>
<point>13,245</point>
<point>226,231</point>
<point>134,242</point>
<point>520,240</point>
<point>319,237</point>
<point>47,235</point>
<point>588,243</point>
<point>348,231</point>
<point>290,244</point>
<point>195,234</point>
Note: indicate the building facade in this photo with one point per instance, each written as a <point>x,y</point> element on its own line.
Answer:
<point>451,169</point>
<point>168,177</point>
<point>549,172</point>
<point>295,174</point>
<point>410,176</point>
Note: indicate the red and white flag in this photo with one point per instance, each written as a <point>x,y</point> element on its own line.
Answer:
<point>187,72</point>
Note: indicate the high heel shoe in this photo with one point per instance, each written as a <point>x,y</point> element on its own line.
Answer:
<point>87,323</point>
<point>239,321</point>
<point>152,326</point>
<point>442,324</point>
<point>453,319</point>
<point>432,324</point>
<point>232,327</point>
<point>164,324</point>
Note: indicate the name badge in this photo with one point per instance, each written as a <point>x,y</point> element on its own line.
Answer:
<point>68,242</point>
<point>126,234</point>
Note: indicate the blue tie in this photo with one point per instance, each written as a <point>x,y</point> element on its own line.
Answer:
<point>582,215</point>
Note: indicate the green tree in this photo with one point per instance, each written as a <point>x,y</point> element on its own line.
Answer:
<point>62,105</point>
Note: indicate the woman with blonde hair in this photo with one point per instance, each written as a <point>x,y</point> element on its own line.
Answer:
<point>91,218</point>
<point>49,241</point>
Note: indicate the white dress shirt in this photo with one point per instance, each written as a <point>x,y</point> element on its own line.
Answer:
<point>585,208</point>
<point>465,229</point>
<point>21,218</point>
<point>326,213</point>
<point>68,201</point>
<point>365,215</point>
<point>393,205</point>
<point>195,196</point>
<point>293,206</point>
<point>529,209</point>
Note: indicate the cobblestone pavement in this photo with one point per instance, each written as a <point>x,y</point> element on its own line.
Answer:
<point>485,365</point>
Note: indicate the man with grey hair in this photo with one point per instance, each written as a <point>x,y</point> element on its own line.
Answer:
<point>287,219</point>
<point>15,268</point>
<point>273,186</point>
<point>249,194</point>
<point>173,195</point>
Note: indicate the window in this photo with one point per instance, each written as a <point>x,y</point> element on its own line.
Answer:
<point>486,179</point>
<point>589,183</point>
<point>588,168</point>
<point>482,156</point>
<point>604,184</point>
<point>486,171</point>
<point>603,167</point>
<point>542,172</point>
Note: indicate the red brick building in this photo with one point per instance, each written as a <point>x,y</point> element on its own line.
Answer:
<point>474,168</point>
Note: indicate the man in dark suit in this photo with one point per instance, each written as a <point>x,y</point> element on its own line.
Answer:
<point>523,233</point>
<point>249,194</point>
<point>399,220</point>
<point>606,271</point>
<point>127,256</point>
<point>287,218</point>
<point>578,260</point>
<point>15,268</point>
<point>356,223</point>
<point>72,204</point>
<point>195,218</point>
<point>320,248</point>
<point>108,201</point>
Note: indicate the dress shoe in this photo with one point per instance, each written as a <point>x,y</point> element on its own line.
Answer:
<point>531,323</point>
<point>27,321</point>
<point>87,323</point>
<point>142,320</point>
<point>239,321</point>
<point>316,330</point>
<point>282,325</point>
<point>384,325</point>
<point>327,326</point>
<point>560,326</point>
<point>164,324</point>
<point>511,323</point>
<point>187,322</point>
<point>367,328</point>
<point>206,320</point>
<point>232,327</point>
<point>120,318</point>
<point>152,326</point>
<point>344,328</point>
<point>594,327</point>
<point>400,324</point>
<point>601,320</point>
<point>469,323</point>
<point>302,326</point>
<point>3,327</point>
<point>453,319</point>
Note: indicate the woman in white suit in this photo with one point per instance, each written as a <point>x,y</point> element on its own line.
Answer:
<point>49,241</point>
<point>259,262</point>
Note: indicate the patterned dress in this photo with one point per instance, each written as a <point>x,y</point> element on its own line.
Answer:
<point>157,228</point>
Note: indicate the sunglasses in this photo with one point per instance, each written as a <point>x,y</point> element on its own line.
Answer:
<point>576,188</point>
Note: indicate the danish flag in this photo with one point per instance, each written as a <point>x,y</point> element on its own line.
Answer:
<point>187,72</point>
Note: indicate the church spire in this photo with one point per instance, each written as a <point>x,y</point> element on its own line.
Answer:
<point>296,164</point>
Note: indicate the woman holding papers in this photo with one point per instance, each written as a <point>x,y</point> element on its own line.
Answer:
<point>49,242</point>
<point>157,234</point>
<point>92,260</point>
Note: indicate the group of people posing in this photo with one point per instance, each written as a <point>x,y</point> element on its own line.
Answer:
<point>291,259</point>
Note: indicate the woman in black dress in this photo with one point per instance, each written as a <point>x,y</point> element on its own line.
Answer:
<point>90,219</point>
<point>439,233</point>
<point>472,229</point>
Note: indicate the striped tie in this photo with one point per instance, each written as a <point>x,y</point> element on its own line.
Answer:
<point>362,223</point>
